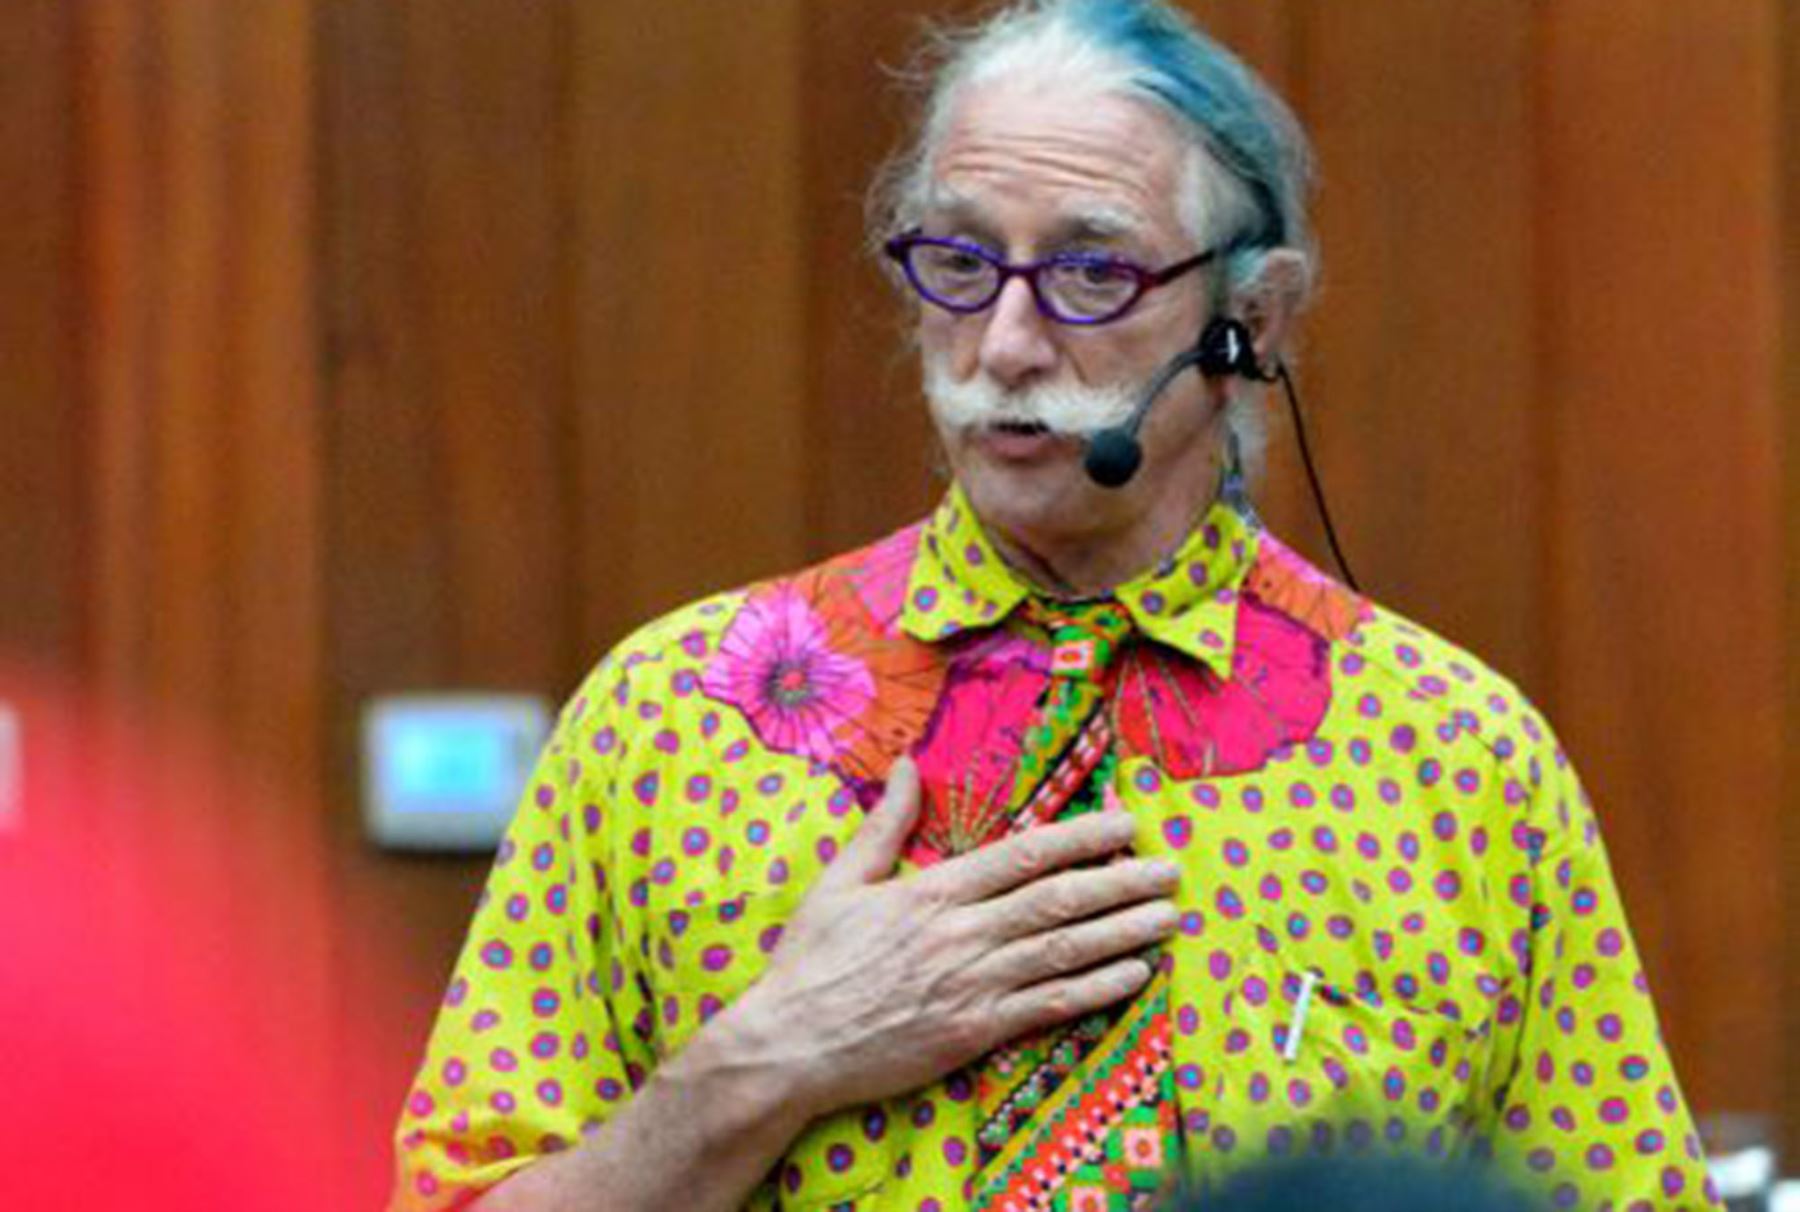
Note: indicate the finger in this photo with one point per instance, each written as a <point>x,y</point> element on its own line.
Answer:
<point>872,853</point>
<point>1057,1001</point>
<point>1005,865</point>
<point>1069,896</point>
<point>1077,948</point>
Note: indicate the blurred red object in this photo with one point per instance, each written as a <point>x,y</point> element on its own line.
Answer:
<point>165,1008</point>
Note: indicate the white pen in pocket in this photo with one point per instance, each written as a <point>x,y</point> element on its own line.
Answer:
<point>1290,1047</point>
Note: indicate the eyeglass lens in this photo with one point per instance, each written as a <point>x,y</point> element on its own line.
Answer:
<point>1071,288</point>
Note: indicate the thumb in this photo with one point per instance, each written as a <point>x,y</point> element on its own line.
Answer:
<point>875,849</point>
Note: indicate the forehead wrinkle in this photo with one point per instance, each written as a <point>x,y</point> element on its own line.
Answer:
<point>1078,168</point>
<point>1099,168</point>
<point>1078,219</point>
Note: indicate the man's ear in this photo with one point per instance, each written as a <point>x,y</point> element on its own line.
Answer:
<point>1270,303</point>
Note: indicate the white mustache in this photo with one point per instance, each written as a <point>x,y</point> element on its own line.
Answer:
<point>1068,409</point>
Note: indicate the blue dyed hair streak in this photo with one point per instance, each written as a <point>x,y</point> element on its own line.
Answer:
<point>1247,128</point>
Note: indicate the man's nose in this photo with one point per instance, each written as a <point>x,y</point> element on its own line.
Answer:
<point>1018,343</point>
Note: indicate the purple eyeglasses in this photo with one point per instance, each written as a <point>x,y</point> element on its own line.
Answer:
<point>1070,288</point>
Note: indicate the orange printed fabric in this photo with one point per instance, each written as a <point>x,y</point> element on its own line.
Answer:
<point>1371,824</point>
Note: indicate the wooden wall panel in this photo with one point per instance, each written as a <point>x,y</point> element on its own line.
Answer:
<point>199,562</point>
<point>40,603</point>
<point>874,460</point>
<point>1261,32</point>
<point>197,189</point>
<point>1419,357</point>
<point>184,522</point>
<point>446,326</point>
<point>115,73</point>
<point>275,449</point>
<point>1787,408</point>
<point>1660,263</point>
<point>688,262</point>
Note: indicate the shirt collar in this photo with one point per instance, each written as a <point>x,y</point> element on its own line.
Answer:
<point>958,583</point>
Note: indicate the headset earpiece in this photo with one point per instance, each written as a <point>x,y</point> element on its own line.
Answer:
<point>1226,348</point>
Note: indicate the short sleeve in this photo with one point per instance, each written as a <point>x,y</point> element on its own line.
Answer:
<point>527,1051</point>
<point>1591,1111</point>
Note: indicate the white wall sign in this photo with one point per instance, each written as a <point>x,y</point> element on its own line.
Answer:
<point>445,771</point>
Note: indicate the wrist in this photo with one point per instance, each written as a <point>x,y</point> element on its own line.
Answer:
<point>743,1069</point>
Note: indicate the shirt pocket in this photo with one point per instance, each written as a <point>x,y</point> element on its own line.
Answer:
<point>700,960</point>
<point>1278,1057</point>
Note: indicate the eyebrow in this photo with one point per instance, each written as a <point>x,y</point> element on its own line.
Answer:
<point>1100,223</point>
<point>960,211</point>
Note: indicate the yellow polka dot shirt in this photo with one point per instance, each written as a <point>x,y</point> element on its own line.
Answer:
<point>1397,924</point>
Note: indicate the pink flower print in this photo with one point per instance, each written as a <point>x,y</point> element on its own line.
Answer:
<point>776,665</point>
<point>970,751</point>
<point>1176,712</point>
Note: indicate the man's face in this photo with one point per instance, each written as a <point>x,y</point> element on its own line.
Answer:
<point>1027,171</point>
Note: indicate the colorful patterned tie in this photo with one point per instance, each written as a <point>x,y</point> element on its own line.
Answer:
<point>1035,1094</point>
<point>1070,736</point>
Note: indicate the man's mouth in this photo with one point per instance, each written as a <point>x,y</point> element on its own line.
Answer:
<point>1026,429</point>
<point>1012,440</point>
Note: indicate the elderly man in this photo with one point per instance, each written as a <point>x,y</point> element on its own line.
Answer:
<point>1078,836</point>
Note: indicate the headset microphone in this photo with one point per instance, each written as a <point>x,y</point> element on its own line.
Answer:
<point>1114,453</point>
<point>1224,348</point>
